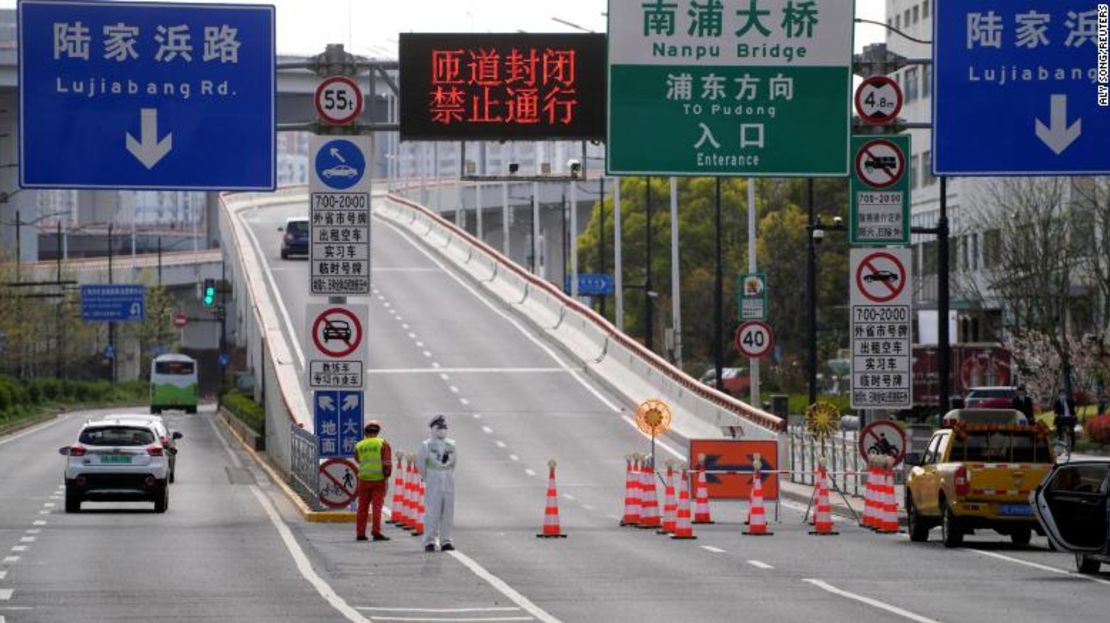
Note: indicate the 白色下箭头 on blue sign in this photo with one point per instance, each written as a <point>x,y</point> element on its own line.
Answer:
<point>146,95</point>
<point>1018,88</point>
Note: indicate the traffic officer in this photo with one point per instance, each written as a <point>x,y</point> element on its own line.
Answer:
<point>436,462</point>
<point>375,464</point>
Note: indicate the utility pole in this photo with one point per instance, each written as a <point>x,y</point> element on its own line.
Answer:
<point>676,288</point>
<point>753,363</point>
<point>618,265</point>
<point>811,297</point>
<point>649,320</point>
<point>718,295</point>
<point>112,324</point>
<point>944,349</point>
<point>159,261</point>
<point>601,238</point>
<point>18,248</point>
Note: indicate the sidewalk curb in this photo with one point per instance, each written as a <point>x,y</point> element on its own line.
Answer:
<point>307,513</point>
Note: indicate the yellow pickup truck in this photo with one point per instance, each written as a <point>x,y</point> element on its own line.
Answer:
<point>977,473</point>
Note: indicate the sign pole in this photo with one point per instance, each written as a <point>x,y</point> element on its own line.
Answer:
<point>618,269</point>
<point>676,289</point>
<point>111,325</point>
<point>535,228</point>
<point>718,295</point>
<point>944,349</point>
<point>574,239</point>
<point>478,207</point>
<point>811,298</point>
<point>753,363</point>
<point>505,218</point>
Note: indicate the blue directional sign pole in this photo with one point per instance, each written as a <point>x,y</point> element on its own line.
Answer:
<point>1017,89</point>
<point>155,96</point>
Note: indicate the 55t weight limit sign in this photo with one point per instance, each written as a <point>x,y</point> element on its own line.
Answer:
<point>754,339</point>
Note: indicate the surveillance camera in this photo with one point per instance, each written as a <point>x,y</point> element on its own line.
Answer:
<point>818,236</point>
<point>838,221</point>
<point>575,167</point>
<point>513,168</point>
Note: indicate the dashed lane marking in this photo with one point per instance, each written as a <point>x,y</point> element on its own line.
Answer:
<point>435,365</point>
<point>529,471</point>
<point>874,603</point>
<point>487,430</point>
<point>477,416</point>
<point>10,559</point>
<point>464,402</point>
<point>1035,565</point>
<point>453,619</point>
<point>439,610</point>
<point>500,444</point>
<point>759,564</point>
<point>444,376</point>
<point>426,354</point>
<point>6,594</point>
<point>504,588</point>
<point>48,505</point>
<point>39,522</point>
<point>454,390</point>
<point>715,550</point>
<point>405,326</point>
<point>568,496</point>
<point>33,531</point>
<point>513,457</point>
<point>3,574</point>
<point>27,539</point>
<point>19,548</point>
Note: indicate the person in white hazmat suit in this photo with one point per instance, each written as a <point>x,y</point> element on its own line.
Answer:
<point>436,462</point>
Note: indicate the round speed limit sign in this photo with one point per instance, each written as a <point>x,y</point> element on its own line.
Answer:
<point>755,339</point>
<point>338,100</point>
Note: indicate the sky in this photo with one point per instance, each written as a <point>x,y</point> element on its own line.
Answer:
<point>370,27</point>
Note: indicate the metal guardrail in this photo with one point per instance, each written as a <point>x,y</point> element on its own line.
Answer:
<point>847,469</point>
<point>304,475</point>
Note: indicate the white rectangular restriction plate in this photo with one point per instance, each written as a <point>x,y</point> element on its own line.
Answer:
<point>881,328</point>
<point>339,215</point>
<point>345,374</point>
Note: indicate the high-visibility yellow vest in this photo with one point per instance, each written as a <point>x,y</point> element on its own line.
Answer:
<point>369,453</point>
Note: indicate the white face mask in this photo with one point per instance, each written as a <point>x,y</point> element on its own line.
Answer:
<point>439,433</point>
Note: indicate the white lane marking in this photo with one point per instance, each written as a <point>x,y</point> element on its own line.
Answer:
<point>426,354</point>
<point>420,344</point>
<point>715,550</point>
<point>33,531</point>
<point>44,512</point>
<point>27,539</point>
<point>10,559</point>
<point>32,430</point>
<point>477,416</point>
<point>412,336</point>
<point>405,326</point>
<point>48,505</point>
<point>500,444</point>
<point>568,496</point>
<point>875,603</point>
<point>440,610</point>
<point>1037,565</point>
<point>454,390</point>
<point>435,365</point>
<point>294,548</point>
<point>513,457</point>
<point>3,574</point>
<point>6,594</point>
<point>453,620</point>
<point>39,522</point>
<point>386,304</point>
<point>264,261</point>
<point>465,370</point>
<point>529,471</point>
<point>504,588</point>
<point>487,430</point>
<point>588,507</point>
<point>19,548</point>
<point>759,564</point>
<point>444,376</point>
<point>464,402</point>
<point>532,338</point>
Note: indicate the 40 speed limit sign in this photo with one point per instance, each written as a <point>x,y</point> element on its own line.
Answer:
<point>338,100</point>
<point>755,339</point>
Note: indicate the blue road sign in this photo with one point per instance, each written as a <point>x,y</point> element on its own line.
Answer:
<point>339,417</point>
<point>590,284</point>
<point>109,352</point>
<point>113,303</point>
<point>340,164</point>
<point>1017,89</point>
<point>223,360</point>
<point>146,96</point>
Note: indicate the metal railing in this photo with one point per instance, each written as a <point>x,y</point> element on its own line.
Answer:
<point>847,469</point>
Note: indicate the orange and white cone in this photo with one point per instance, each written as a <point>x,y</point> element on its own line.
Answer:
<point>757,511</point>
<point>870,499</point>
<point>683,528</point>
<point>418,506</point>
<point>649,515</point>
<point>889,523</point>
<point>822,517</point>
<point>670,504</point>
<point>396,506</point>
<point>631,491</point>
<point>411,515</point>
<point>551,529</point>
<point>701,495</point>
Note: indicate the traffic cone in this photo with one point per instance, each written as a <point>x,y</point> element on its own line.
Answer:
<point>649,516</point>
<point>701,497</point>
<point>418,505</point>
<point>410,494</point>
<point>757,512</point>
<point>889,516</point>
<point>670,504</point>
<point>870,499</point>
<point>683,529</point>
<point>822,518</point>
<point>551,529</point>
<point>396,508</point>
<point>631,492</point>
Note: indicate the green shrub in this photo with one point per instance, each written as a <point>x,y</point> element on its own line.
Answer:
<point>246,409</point>
<point>5,399</point>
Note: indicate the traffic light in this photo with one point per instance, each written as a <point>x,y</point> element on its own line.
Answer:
<point>209,292</point>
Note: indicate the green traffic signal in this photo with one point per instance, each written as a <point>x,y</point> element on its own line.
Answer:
<point>209,294</point>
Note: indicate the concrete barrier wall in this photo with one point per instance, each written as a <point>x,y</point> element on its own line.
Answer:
<point>607,355</point>
<point>269,351</point>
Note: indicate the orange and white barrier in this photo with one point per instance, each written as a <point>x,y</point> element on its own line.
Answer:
<point>649,515</point>
<point>396,507</point>
<point>418,505</point>
<point>757,512</point>
<point>551,527</point>
<point>871,505</point>
<point>683,528</point>
<point>631,491</point>
<point>889,502</point>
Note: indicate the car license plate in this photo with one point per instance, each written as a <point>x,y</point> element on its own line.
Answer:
<point>1024,510</point>
<point>115,459</point>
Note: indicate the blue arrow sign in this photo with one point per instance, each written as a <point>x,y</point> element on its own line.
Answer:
<point>712,463</point>
<point>591,284</point>
<point>146,95</point>
<point>339,421</point>
<point>112,303</point>
<point>1017,89</point>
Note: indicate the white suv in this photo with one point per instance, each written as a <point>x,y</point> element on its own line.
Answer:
<point>116,459</point>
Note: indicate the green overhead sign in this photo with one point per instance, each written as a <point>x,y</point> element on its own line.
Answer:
<point>730,87</point>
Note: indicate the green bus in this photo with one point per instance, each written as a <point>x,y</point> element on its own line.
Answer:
<point>173,383</point>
